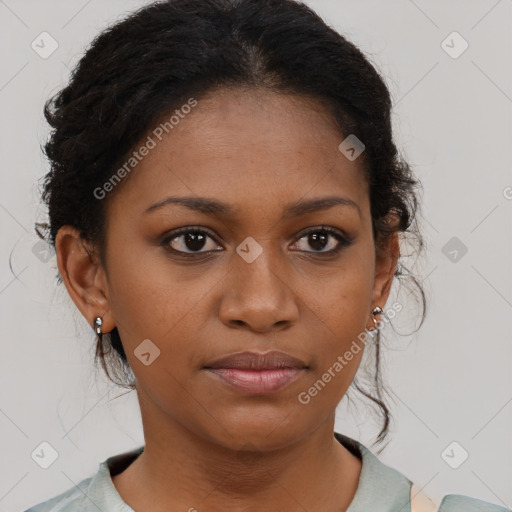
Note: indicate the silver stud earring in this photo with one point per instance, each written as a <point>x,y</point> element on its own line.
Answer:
<point>98,322</point>
<point>376,311</point>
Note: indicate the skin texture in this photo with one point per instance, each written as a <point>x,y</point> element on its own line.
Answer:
<point>206,445</point>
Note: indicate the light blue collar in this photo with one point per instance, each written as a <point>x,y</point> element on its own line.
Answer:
<point>380,487</point>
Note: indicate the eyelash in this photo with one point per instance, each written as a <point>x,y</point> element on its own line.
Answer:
<point>343,241</point>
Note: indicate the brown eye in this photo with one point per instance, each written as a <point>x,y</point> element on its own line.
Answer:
<point>189,241</point>
<point>321,238</point>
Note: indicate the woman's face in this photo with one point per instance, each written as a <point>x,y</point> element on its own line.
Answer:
<point>255,280</point>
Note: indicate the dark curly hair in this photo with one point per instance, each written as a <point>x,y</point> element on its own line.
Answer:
<point>141,68</point>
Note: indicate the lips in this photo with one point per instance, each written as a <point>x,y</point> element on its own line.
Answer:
<point>272,360</point>
<point>256,373</point>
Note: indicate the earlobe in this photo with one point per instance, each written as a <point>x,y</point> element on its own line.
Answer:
<point>83,276</point>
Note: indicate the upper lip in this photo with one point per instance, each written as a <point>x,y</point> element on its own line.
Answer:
<point>257,361</point>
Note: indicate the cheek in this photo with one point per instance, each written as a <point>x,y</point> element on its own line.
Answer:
<point>170,306</point>
<point>343,298</point>
<point>339,309</point>
<point>148,294</point>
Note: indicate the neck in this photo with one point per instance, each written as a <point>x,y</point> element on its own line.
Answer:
<point>179,470</point>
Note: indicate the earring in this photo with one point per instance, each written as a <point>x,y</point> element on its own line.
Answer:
<point>377,311</point>
<point>98,322</point>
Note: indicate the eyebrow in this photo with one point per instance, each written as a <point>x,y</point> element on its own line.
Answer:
<point>214,207</point>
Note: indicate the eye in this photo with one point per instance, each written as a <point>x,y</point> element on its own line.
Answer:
<point>189,241</point>
<point>318,238</point>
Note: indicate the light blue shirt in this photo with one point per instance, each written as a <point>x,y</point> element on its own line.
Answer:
<point>381,488</point>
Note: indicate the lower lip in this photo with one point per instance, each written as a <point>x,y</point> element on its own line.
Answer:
<point>258,381</point>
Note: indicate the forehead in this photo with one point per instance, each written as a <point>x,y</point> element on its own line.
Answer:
<point>248,147</point>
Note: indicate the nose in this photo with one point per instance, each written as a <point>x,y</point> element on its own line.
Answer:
<point>258,296</point>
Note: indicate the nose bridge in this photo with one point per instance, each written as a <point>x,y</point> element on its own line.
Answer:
<point>257,269</point>
<point>259,294</point>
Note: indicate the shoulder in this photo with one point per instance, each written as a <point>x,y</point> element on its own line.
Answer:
<point>459,503</point>
<point>384,488</point>
<point>71,500</point>
<point>93,494</point>
<point>420,502</point>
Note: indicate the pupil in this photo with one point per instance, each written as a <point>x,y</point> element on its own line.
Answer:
<point>316,240</point>
<point>194,241</point>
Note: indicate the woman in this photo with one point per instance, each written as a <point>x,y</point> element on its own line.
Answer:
<point>226,200</point>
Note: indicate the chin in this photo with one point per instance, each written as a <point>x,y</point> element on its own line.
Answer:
<point>260,432</point>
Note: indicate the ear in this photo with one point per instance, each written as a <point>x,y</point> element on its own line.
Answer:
<point>84,277</point>
<point>387,252</point>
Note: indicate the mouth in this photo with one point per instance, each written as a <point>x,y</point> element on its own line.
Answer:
<point>257,373</point>
<point>257,382</point>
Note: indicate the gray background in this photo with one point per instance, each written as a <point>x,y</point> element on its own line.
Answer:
<point>451,381</point>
